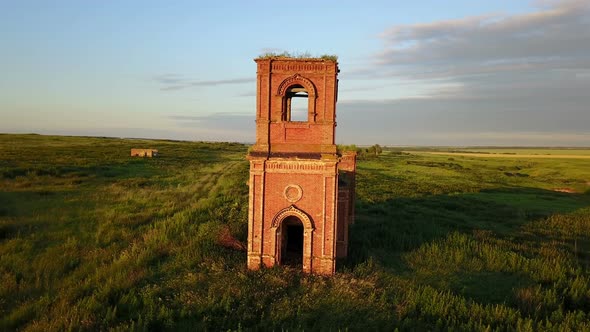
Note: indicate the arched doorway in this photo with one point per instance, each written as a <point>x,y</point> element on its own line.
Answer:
<point>292,242</point>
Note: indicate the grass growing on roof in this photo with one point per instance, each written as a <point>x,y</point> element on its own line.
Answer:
<point>303,55</point>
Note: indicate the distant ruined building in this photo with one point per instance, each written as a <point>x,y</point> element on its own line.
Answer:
<point>144,153</point>
<point>301,189</point>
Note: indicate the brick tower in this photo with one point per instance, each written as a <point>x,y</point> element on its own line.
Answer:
<point>301,188</point>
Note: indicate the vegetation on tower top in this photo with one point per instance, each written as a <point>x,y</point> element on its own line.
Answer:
<point>304,55</point>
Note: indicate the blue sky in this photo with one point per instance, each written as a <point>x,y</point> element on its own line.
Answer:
<point>511,72</point>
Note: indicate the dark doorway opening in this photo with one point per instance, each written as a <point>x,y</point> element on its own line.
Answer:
<point>292,242</point>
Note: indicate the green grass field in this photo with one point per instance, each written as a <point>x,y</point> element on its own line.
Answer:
<point>92,239</point>
<point>531,151</point>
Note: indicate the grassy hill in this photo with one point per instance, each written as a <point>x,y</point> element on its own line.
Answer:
<point>92,239</point>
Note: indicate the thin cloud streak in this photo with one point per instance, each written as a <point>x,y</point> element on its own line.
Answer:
<point>171,82</point>
<point>238,125</point>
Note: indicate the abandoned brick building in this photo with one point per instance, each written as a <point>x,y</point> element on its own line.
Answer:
<point>144,153</point>
<point>301,188</point>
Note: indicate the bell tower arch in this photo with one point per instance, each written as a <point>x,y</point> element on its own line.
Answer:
<point>295,167</point>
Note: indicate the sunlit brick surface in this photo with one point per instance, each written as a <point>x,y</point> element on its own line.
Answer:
<point>295,169</point>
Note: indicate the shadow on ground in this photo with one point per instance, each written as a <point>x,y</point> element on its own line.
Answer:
<point>385,230</point>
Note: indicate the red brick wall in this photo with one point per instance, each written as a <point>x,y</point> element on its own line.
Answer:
<point>273,74</point>
<point>294,167</point>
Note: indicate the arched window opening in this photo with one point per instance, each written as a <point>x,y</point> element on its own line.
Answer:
<point>292,242</point>
<point>296,104</point>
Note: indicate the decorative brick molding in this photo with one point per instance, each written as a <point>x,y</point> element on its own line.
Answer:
<point>292,211</point>
<point>293,193</point>
<point>299,208</point>
<point>296,79</point>
<point>298,166</point>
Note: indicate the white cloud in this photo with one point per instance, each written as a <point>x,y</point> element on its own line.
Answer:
<point>552,37</point>
<point>491,79</point>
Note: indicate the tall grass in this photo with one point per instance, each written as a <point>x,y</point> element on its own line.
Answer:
<point>91,239</point>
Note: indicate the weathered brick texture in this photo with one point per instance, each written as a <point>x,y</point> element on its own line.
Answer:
<point>296,173</point>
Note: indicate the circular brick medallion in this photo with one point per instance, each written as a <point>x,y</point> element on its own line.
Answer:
<point>293,193</point>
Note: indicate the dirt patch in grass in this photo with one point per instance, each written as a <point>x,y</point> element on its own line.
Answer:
<point>565,190</point>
